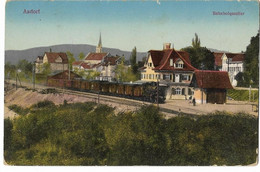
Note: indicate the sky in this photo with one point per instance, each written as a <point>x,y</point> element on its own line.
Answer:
<point>124,25</point>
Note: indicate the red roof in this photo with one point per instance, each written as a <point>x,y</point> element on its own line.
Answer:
<point>110,60</point>
<point>52,56</point>
<point>212,79</point>
<point>96,56</point>
<point>236,56</point>
<point>161,59</point>
<point>218,60</point>
<point>77,63</point>
<point>85,65</point>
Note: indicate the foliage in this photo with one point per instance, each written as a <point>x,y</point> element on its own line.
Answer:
<point>200,57</point>
<point>10,70</point>
<point>71,58</point>
<point>25,66</point>
<point>243,95</point>
<point>91,134</point>
<point>18,109</point>
<point>124,73</point>
<point>46,69</point>
<point>251,63</point>
<point>134,65</point>
<point>42,104</point>
<point>87,74</point>
<point>196,42</point>
<point>81,56</point>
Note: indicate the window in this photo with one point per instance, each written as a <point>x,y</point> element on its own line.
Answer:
<point>179,63</point>
<point>157,76</point>
<point>178,91</point>
<point>171,62</point>
<point>185,77</point>
<point>149,64</point>
<point>167,76</point>
<point>150,76</point>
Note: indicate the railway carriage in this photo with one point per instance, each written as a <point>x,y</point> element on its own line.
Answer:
<point>141,91</point>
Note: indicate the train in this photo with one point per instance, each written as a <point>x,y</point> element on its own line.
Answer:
<point>143,91</point>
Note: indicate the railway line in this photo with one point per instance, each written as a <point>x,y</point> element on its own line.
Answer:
<point>96,97</point>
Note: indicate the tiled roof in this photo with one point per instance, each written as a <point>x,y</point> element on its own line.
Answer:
<point>96,56</point>
<point>85,65</point>
<point>212,79</point>
<point>52,56</point>
<point>161,59</point>
<point>110,60</point>
<point>77,63</point>
<point>218,60</point>
<point>236,56</point>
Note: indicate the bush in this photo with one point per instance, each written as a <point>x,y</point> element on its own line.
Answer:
<point>18,109</point>
<point>43,104</point>
<point>91,134</point>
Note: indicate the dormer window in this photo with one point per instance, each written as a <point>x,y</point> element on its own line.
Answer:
<point>149,64</point>
<point>179,63</point>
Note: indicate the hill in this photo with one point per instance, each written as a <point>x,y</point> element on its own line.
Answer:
<point>13,56</point>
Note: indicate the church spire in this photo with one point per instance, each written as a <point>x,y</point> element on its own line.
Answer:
<point>99,46</point>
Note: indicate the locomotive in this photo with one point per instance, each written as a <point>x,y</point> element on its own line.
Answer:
<point>147,91</point>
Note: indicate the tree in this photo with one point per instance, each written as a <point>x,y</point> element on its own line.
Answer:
<point>196,42</point>
<point>134,65</point>
<point>25,66</point>
<point>251,60</point>
<point>124,73</point>
<point>81,56</point>
<point>10,70</point>
<point>46,69</point>
<point>200,56</point>
<point>71,58</point>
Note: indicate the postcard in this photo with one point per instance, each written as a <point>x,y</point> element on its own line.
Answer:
<point>131,83</point>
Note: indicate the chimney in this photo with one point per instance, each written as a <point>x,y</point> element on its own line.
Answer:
<point>166,46</point>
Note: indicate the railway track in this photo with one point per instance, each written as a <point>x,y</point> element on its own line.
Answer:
<point>108,98</point>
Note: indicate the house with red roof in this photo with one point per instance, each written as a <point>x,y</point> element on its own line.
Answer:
<point>98,61</point>
<point>58,61</point>
<point>210,86</point>
<point>169,67</point>
<point>233,63</point>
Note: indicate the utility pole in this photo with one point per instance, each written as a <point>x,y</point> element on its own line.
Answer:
<point>69,71</point>
<point>157,93</point>
<point>250,93</point>
<point>33,76</point>
<point>16,80</point>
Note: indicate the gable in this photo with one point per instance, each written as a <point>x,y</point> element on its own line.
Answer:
<point>51,57</point>
<point>58,59</point>
<point>163,60</point>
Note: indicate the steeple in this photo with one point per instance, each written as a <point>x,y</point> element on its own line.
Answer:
<point>99,46</point>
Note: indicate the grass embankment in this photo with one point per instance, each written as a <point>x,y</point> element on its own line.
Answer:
<point>91,134</point>
<point>243,95</point>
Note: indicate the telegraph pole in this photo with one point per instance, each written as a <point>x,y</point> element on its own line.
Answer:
<point>157,93</point>
<point>33,76</point>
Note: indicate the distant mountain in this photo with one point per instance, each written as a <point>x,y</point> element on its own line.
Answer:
<point>13,56</point>
<point>217,51</point>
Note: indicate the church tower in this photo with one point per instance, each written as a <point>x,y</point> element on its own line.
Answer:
<point>99,46</point>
